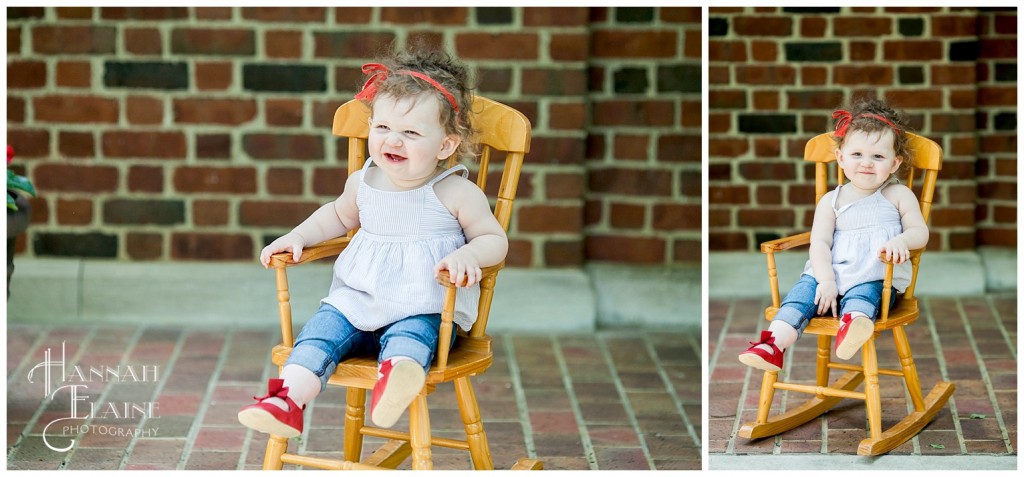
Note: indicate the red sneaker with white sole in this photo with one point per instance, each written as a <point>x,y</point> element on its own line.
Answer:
<point>758,358</point>
<point>853,333</point>
<point>397,385</point>
<point>268,418</point>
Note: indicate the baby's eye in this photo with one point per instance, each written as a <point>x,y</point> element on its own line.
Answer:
<point>380,126</point>
<point>412,133</point>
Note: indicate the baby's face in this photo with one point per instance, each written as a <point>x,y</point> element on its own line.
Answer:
<point>868,159</point>
<point>407,139</point>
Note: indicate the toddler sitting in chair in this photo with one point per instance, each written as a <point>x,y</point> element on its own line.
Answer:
<point>416,218</point>
<point>870,214</point>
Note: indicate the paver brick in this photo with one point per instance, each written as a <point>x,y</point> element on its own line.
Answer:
<point>156,451</point>
<point>96,459</point>
<point>603,413</point>
<point>986,447</point>
<point>212,460</point>
<point>595,392</point>
<point>622,458</point>
<point>613,436</point>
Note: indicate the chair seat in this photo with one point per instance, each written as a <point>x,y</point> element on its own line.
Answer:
<point>469,356</point>
<point>904,313</point>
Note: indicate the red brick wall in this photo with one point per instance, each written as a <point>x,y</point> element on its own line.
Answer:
<point>202,133</point>
<point>996,170</point>
<point>776,74</point>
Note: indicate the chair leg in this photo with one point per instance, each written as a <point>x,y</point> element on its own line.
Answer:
<point>909,369</point>
<point>764,403</point>
<point>276,447</point>
<point>873,398</point>
<point>419,434</point>
<point>355,415</point>
<point>475,435</point>
<point>824,356</point>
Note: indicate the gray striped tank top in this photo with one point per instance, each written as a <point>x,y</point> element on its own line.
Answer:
<point>386,273</point>
<point>862,227</point>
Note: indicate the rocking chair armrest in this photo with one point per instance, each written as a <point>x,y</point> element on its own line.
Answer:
<point>889,264</point>
<point>444,335</point>
<point>786,243</point>
<point>327,248</point>
<point>445,280</point>
<point>916,253</point>
<point>769,248</point>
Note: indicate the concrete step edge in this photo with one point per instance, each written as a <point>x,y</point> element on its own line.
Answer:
<point>83,291</point>
<point>986,270</point>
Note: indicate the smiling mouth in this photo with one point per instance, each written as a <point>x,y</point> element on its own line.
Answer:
<point>394,157</point>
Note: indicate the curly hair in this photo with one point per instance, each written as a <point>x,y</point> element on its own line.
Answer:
<point>861,112</point>
<point>447,71</point>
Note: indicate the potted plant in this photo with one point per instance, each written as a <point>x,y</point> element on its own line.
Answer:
<point>18,211</point>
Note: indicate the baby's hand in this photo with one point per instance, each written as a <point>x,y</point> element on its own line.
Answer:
<point>896,249</point>
<point>288,242</point>
<point>460,264</point>
<point>825,297</point>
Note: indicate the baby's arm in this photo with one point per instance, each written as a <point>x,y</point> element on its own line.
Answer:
<point>486,243</point>
<point>331,220</point>
<point>915,230</point>
<point>822,230</point>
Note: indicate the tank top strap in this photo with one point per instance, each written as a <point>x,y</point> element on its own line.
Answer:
<point>447,172</point>
<point>366,165</point>
<point>891,180</point>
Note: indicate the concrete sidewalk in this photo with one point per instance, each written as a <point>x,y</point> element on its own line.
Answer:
<point>83,292</point>
<point>985,270</point>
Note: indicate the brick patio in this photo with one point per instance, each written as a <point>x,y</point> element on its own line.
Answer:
<point>610,400</point>
<point>971,341</point>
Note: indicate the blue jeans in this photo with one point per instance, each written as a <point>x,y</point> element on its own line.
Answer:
<point>328,338</point>
<point>798,308</point>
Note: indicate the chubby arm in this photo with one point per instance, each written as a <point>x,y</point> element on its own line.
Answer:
<point>915,230</point>
<point>486,242</point>
<point>331,220</point>
<point>822,230</point>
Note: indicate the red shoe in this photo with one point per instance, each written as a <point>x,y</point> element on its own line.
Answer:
<point>758,358</point>
<point>397,385</point>
<point>853,333</point>
<point>270,419</point>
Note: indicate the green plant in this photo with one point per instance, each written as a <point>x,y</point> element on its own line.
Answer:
<point>16,184</point>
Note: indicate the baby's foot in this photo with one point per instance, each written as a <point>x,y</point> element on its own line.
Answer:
<point>398,383</point>
<point>764,354</point>
<point>854,331</point>
<point>275,413</point>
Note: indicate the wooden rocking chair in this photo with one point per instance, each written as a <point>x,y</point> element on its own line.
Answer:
<point>503,129</point>
<point>927,161</point>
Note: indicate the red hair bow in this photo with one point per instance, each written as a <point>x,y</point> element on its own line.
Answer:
<point>378,73</point>
<point>844,119</point>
